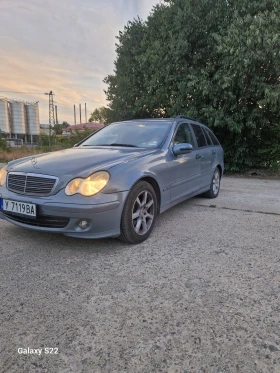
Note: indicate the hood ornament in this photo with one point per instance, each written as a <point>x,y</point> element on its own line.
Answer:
<point>34,161</point>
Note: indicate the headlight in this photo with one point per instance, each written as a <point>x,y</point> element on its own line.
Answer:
<point>3,175</point>
<point>89,186</point>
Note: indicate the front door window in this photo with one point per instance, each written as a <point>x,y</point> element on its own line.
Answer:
<point>184,135</point>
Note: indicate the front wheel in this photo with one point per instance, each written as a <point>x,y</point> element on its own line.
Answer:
<point>139,213</point>
<point>215,185</point>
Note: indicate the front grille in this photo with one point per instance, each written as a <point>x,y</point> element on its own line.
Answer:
<point>31,184</point>
<point>40,221</point>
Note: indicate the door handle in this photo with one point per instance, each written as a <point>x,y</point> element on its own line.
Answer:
<point>213,152</point>
<point>198,156</point>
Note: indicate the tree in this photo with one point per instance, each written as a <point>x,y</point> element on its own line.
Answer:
<point>244,92</point>
<point>3,142</point>
<point>214,60</point>
<point>58,128</point>
<point>125,87</point>
<point>101,115</point>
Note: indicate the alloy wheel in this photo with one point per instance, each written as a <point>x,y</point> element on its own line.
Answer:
<point>143,212</point>
<point>216,182</point>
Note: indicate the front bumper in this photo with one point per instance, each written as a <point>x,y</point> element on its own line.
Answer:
<point>102,212</point>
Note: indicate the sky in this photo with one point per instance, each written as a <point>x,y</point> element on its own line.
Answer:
<point>67,46</point>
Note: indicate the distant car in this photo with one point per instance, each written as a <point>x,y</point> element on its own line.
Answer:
<point>115,182</point>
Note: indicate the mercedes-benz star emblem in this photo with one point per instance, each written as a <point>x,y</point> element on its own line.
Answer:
<point>33,160</point>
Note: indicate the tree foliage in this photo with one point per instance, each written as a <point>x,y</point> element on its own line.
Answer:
<point>215,60</point>
<point>58,128</point>
<point>63,142</point>
<point>3,142</point>
<point>101,115</point>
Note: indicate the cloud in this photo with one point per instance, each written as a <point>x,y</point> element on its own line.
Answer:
<point>67,46</point>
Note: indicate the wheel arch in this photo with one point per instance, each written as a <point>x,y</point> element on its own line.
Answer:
<point>219,167</point>
<point>124,236</point>
<point>152,181</point>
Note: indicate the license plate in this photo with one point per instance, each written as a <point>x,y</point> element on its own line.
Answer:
<point>22,208</point>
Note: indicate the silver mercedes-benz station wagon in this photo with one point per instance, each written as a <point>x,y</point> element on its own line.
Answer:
<point>115,182</point>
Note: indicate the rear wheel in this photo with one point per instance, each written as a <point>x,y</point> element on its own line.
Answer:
<point>213,192</point>
<point>139,213</point>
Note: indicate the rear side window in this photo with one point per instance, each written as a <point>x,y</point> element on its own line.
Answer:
<point>207,136</point>
<point>200,138</point>
<point>213,137</point>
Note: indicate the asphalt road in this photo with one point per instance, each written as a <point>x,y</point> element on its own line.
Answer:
<point>201,295</point>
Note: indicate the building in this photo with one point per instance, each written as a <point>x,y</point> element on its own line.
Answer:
<point>45,128</point>
<point>92,126</point>
<point>20,120</point>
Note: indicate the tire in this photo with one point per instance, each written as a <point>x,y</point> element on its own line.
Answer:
<point>139,213</point>
<point>214,190</point>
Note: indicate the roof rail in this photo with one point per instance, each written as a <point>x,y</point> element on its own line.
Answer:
<point>184,117</point>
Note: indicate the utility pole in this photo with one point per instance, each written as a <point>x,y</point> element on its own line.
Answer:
<point>51,115</point>
<point>86,112</point>
<point>80,113</point>
<point>56,120</point>
<point>75,121</point>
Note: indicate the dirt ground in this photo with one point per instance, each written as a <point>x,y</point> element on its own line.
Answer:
<point>201,295</point>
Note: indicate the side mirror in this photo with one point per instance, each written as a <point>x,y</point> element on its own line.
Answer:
<point>182,149</point>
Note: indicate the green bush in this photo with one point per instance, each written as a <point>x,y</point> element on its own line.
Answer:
<point>62,142</point>
<point>3,143</point>
<point>268,152</point>
<point>45,140</point>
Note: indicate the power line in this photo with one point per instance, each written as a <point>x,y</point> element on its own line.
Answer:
<point>83,99</point>
<point>68,107</point>
<point>29,93</point>
<point>40,93</point>
<point>52,111</point>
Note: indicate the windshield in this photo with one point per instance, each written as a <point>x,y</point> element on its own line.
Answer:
<point>130,134</point>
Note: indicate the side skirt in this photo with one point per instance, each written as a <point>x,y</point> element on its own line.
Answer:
<point>193,194</point>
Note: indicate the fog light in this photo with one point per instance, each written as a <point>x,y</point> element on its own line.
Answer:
<point>83,224</point>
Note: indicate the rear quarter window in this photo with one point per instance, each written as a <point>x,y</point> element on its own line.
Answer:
<point>207,136</point>
<point>212,136</point>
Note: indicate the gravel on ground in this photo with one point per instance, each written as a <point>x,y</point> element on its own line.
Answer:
<point>201,295</point>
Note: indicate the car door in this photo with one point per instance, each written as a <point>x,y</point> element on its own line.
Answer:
<point>185,167</point>
<point>205,152</point>
<point>212,144</point>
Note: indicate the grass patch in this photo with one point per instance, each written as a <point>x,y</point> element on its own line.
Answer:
<point>260,173</point>
<point>58,143</point>
<point>16,153</point>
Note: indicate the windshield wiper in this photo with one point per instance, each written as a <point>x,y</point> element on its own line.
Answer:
<point>127,145</point>
<point>114,144</point>
<point>96,145</point>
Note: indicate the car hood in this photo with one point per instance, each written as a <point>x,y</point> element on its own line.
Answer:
<point>80,161</point>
